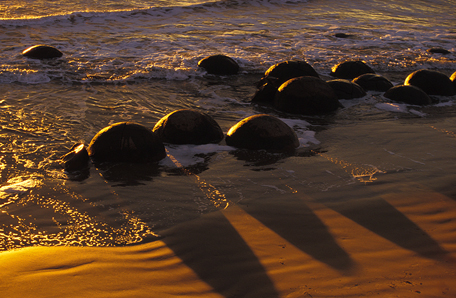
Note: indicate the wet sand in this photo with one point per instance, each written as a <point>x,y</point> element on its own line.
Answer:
<point>258,251</point>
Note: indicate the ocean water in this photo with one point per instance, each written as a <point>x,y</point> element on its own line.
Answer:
<point>137,61</point>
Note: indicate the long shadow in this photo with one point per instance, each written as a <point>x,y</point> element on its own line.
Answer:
<point>294,221</point>
<point>380,217</point>
<point>220,257</point>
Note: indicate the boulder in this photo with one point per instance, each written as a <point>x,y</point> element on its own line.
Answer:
<point>77,159</point>
<point>262,132</point>
<point>188,127</point>
<point>438,51</point>
<point>432,82</point>
<point>306,96</point>
<point>126,142</point>
<point>346,89</point>
<point>408,94</point>
<point>219,65</point>
<point>350,69</point>
<point>42,52</point>
<point>373,82</point>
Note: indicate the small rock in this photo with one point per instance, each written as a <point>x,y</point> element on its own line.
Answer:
<point>42,52</point>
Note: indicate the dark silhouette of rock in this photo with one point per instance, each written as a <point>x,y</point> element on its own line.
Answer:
<point>350,69</point>
<point>188,127</point>
<point>432,82</point>
<point>77,159</point>
<point>126,142</point>
<point>262,132</point>
<point>306,96</point>
<point>342,35</point>
<point>278,74</point>
<point>373,82</point>
<point>346,89</point>
<point>408,94</point>
<point>219,65</point>
<point>42,52</point>
<point>438,51</point>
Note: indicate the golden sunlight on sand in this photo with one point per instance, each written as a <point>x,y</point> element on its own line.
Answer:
<point>259,251</point>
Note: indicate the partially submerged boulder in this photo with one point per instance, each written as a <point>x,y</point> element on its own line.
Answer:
<point>432,82</point>
<point>188,127</point>
<point>262,132</point>
<point>346,89</point>
<point>408,94</point>
<point>42,52</point>
<point>278,74</point>
<point>306,96</point>
<point>438,51</point>
<point>350,69</point>
<point>126,142</point>
<point>373,82</point>
<point>77,159</point>
<point>453,79</point>
<point>219,65</point>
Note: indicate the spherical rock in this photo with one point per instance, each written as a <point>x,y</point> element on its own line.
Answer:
<point>42,52</point>
<point>438,51</point>
<point>188,127</point>
<point>350,69</point>
<point>306,96</point>
<point>262,132</point>
<point>408,94</point>
<point>373,82</point>
<point>346,89</point>
<point>286,70</point>
<point>219,65</point>
<point>77,159</point>
<point>126,142</point>
<point>432,82</point>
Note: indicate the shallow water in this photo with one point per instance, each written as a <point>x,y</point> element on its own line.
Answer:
<point>136,61</point>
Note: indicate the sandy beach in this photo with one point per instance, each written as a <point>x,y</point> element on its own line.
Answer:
<point>258,251</point>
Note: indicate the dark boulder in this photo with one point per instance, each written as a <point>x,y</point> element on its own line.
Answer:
<point>42,52</point>
<point>350,69</point>
<point>432,82</point>
<point>306,96</point>
<point>373,82</point>
<point>219,65</point>
<point>438,51</point>
<point>188,127</point>
<point>342,35</point>
<point>126,142</point>
<point>278,74</point>
<point>346,89</point>
<point>262,132</point>
<point>286,70</point>
<point>77,159</point>
<point>408,94</point>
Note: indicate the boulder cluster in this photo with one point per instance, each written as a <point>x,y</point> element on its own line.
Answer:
<point>290,86</point>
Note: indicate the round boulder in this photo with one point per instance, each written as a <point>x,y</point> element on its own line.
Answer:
<point>188,127</point>
<point>262,132</point>
<point>408,94</point>
<point>373,82</point>
<point>126,142</point>
<point>77,159</point>
<point>306,96</point>
<point>42,52</point>
<point>219,65</point>
<point>432,82</point>
<point>346,89</point>
<point>350,69</point>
